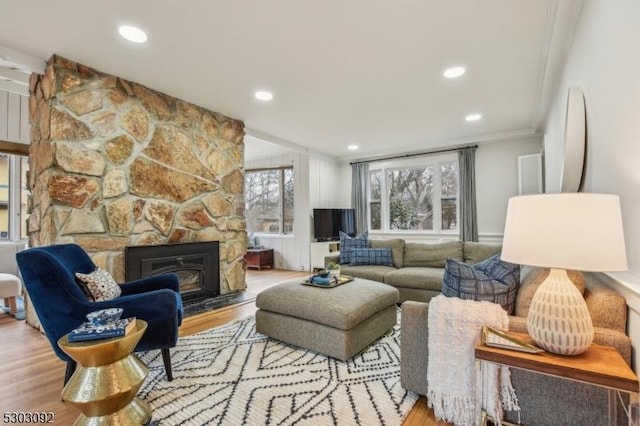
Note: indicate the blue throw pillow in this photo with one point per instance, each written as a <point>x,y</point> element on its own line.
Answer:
<point>347,243</point>
<point>492,280</point>
<point>371,256</point>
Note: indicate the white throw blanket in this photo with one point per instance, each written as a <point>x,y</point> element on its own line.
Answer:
<point>454,391</point>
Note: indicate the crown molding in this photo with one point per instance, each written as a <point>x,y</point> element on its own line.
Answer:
<point>290,145</point>
<point>14,58</point>
<point>450,144</point>
<point>13,87</point>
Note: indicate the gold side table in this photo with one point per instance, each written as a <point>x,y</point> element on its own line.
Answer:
<point>107,379</point>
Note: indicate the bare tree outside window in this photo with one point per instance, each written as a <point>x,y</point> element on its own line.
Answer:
<point>410,198</point>
<point>420,197</point>
<point>449,195</point>
<point>288,201</point>
<point>269,200</point>
<point>375,197</point>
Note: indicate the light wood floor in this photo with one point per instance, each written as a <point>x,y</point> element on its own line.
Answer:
<point>31,374</point>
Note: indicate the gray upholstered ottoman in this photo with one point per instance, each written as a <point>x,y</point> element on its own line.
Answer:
<point>339,321</point>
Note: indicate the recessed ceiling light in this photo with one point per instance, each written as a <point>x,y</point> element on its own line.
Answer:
<point>473,117</point>
<point>263,95</point>
<point>454,72</point>
<point>133,34</point>
<point>352,147</point>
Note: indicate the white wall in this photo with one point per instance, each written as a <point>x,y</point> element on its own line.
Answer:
<point>14,117</point>
<point>326,184</point>
<point>290,251</point>
<point>496,181</point>
<point>8,252</point>
<point>603,60</point>
<point>316,182</point>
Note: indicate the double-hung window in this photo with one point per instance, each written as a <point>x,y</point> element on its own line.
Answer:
<point>416,195</point>
<point>13,197</point>
<point>269,200</point>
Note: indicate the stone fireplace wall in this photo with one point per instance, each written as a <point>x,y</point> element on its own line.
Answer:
<point>115,164</point>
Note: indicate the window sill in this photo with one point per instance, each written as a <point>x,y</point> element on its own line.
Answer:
<point>12,242</point>
<point>274,236</point>
<point>409,232</point>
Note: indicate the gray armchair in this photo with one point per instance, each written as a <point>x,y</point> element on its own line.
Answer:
<point>544,400</point>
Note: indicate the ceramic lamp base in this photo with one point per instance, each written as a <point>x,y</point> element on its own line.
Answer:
<point>558,319</point>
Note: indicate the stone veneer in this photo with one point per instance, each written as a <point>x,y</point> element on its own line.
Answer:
<point>115,164</point>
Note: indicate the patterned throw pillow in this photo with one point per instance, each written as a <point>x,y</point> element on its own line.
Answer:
<point>492,280</point>
<point>100,284</point>
<point>347,243</point>
<point>371,256</point>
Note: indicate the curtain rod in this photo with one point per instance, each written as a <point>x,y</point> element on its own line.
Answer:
<point>438,151</point>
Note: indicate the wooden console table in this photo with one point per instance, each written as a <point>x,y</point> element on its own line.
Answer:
<point>259,258</point>
<point>599,366</point>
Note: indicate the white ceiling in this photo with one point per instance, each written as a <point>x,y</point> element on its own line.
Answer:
<point>365,72</point>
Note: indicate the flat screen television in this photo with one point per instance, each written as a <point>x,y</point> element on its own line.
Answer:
<point>327,223</point>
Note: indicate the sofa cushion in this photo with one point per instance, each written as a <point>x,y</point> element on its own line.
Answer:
<point>347,243</point>
<point>368,272</point>
<point>607,307</point>
<point>492,280</point>
<point>431,255</point>
<point>414,277</point>
<point>371,256</point>
<point>530,283</point>
<point>397,249</point>
<point>477,252</point>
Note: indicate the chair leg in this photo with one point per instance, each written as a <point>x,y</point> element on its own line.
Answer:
<point>166,358</point>
<point>71,367</point>
<point>13,307</point>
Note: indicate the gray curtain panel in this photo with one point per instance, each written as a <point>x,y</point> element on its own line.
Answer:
<point>468,210</point>
<point>359,191</point>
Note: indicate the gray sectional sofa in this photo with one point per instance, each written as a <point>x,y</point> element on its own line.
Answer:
<point>418,268</point>
<point>417,275</point>
<point>544,400</point>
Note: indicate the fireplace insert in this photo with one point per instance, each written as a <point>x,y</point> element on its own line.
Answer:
<point>196,264</point>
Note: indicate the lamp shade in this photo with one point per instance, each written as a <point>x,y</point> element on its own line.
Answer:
<point>576,231</point>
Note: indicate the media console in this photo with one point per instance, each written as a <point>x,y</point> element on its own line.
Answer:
<point>319,250</point>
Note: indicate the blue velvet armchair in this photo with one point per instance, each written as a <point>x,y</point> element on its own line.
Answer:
<point>49,277</point>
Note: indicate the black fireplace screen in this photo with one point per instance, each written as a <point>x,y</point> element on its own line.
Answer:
<point>196,264</point>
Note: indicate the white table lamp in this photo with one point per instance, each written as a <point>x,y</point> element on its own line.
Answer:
<point>576,231</point>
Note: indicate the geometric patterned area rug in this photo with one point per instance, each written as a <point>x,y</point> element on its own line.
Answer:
<point>231,375</point>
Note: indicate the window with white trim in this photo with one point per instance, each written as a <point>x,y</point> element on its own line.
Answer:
<point>269,200</point>
<point>414,195</point>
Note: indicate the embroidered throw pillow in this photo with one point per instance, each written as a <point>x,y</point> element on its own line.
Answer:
<point>371,256</point>
<point>492,280</point>
<point>100,284</point>
<point>347,243</point>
